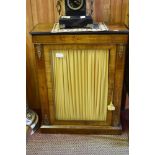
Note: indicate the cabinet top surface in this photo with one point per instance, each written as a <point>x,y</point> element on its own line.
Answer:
<point>45,29</point>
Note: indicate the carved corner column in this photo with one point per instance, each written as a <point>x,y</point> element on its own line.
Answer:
<point>119,77</point>
<point>43,94</point>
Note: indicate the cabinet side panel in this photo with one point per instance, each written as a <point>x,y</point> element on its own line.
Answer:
<point>39,54</point>
<point>119,76</point>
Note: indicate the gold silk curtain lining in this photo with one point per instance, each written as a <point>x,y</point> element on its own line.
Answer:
<point>81,84</point>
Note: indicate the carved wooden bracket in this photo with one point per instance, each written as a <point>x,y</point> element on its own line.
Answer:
<point>39,50</point>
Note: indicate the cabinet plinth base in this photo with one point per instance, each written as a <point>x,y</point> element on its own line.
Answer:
<point>76,129</point>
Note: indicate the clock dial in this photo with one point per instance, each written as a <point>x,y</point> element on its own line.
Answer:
<point>75,4</point>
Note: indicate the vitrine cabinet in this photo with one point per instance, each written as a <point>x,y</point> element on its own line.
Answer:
<point>80,77</point>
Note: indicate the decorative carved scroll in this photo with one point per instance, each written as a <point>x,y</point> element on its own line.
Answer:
<point>90,4</point>
<point>39,50</point>
<point>58,6</point>
<point>91,7</point>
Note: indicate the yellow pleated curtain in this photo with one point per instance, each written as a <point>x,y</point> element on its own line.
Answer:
<point>81,84</point>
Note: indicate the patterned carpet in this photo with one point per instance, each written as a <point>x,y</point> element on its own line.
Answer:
<point>63,144</point>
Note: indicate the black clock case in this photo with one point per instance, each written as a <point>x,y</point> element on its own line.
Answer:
<point>80,12</point>
<point>75,22</point>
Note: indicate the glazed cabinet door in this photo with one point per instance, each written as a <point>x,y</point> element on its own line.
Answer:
<point>79,84</point>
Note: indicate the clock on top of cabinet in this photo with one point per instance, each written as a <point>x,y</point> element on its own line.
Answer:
<point>75,14</point>
<point>75,7</point>
<point>80,77</point>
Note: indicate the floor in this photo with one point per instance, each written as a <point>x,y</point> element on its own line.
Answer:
<point>65,144</point>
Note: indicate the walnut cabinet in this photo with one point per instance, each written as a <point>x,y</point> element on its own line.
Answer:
<point>80,77</point>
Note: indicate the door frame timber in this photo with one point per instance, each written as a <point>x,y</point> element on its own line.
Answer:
<point>111,79</point>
